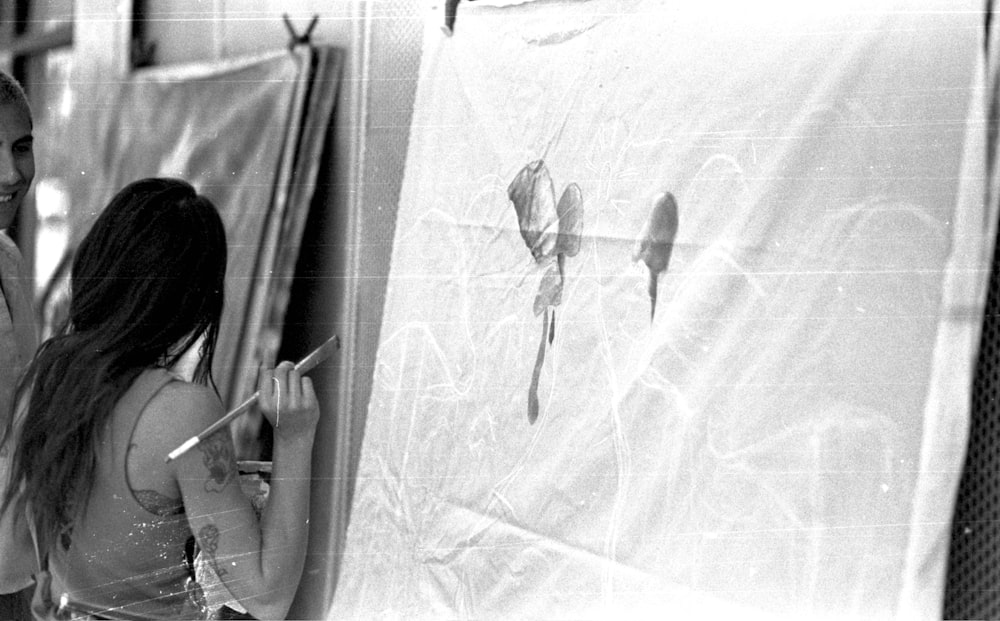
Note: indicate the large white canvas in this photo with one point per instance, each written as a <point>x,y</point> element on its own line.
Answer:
<point>756,447</point>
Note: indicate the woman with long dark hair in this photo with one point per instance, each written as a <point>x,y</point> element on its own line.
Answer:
<point>101,406</point>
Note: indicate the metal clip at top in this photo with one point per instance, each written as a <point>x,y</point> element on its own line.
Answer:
<point>294,38</point>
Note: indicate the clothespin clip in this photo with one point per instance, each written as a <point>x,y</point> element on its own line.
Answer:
<point>294,38</point>
<point>450,10</point>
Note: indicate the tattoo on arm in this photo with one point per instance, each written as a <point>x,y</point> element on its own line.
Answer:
<point>208,539</point>
<point>217,455</point>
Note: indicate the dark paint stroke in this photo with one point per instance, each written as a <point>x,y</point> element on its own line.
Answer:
<point>450,12</point>
<point>537,373</point>
<point>657,242</point>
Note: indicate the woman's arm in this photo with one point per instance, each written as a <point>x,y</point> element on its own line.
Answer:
<point>259,562</point>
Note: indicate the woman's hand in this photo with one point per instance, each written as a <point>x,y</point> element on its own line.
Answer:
<point>287,400</point>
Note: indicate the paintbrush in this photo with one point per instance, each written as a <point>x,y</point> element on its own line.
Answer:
<point>305,365</point>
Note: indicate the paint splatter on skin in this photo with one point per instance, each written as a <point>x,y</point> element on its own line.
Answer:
<point>550,231</point>
<point>657,242</point>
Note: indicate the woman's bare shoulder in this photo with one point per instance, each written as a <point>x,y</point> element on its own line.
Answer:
<point>180,410</point>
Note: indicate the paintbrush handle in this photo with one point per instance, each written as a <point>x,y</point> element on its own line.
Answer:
<point>318,355</point>
<point>305,365</point>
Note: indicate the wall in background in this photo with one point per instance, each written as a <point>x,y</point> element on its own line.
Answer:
<point>341,275</point>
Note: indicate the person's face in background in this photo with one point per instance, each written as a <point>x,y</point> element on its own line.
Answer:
<point>17,160</point>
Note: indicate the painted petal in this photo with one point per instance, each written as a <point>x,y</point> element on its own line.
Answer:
<point>570,213</point>
<point>533,196</point>
<point>657,239</point>
<point>549,290</point>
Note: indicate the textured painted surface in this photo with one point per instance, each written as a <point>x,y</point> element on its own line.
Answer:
<point>755,448</point>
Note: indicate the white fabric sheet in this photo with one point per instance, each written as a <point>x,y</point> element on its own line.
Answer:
<point>755,449</point>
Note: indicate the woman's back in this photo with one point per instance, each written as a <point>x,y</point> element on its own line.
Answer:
<point>127,550</point>
<point>88,452</point>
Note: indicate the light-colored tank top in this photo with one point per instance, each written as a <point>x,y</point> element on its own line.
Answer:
<point>118,555</point>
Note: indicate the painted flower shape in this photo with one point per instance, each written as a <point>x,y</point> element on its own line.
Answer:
<point>549,230</point>
<point>656,242</point>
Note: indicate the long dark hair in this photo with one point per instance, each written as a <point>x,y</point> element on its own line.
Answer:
<point>146,283</point>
